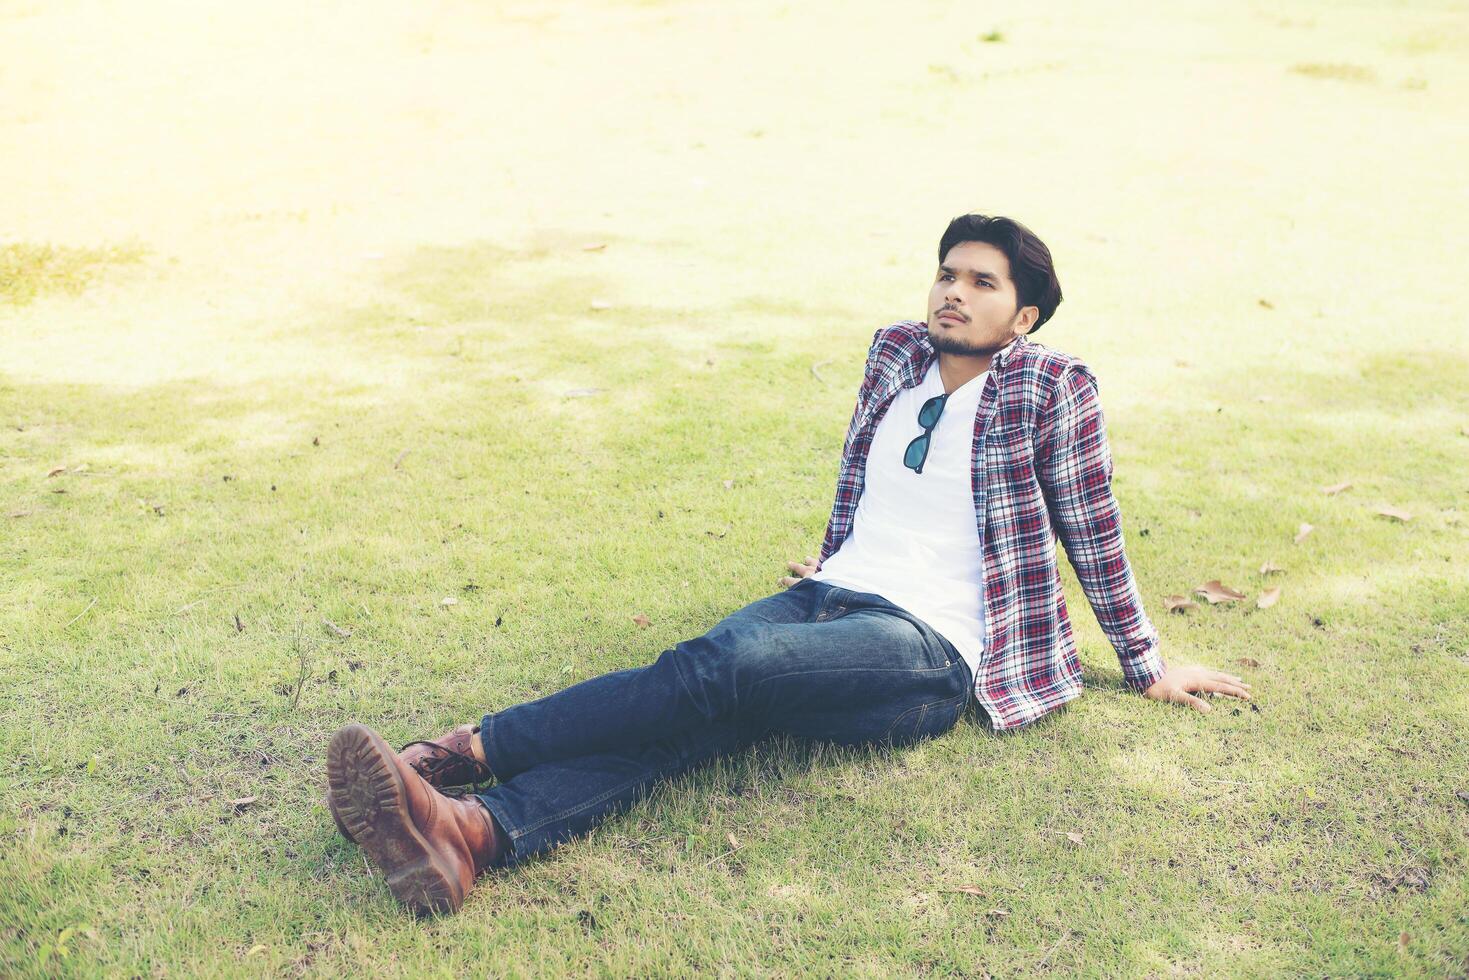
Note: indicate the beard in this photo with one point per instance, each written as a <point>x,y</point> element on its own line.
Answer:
<point>946,343</point>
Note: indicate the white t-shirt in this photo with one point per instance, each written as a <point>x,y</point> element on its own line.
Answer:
<point>914,539</point>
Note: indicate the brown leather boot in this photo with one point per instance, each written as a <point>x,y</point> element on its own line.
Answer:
<point>445,761</point>
<point>430,847</point>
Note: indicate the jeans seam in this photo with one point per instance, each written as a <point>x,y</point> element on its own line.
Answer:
<point>486,728</point>
<point>848,670</point>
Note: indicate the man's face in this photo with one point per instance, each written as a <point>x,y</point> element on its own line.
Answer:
<point>971,307</point>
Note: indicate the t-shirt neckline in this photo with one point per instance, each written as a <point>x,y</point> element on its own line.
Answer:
<point>934,369</point>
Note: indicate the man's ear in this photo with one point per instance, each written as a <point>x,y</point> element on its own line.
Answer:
<point>1026,322</point>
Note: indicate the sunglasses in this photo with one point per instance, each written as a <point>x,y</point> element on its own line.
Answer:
<point>928,417</point>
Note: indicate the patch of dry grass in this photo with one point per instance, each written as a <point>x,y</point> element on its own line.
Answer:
<point>29,269</point>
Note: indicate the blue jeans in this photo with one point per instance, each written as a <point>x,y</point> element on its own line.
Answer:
<point>814,661</point>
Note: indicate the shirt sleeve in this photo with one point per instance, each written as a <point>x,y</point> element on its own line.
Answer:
<point>1074,466</point>
<point>869,374</point>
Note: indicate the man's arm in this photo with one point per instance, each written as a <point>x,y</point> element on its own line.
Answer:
<point>1074,466</point>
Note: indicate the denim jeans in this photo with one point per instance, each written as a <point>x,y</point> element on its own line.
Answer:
<point>813,661</point>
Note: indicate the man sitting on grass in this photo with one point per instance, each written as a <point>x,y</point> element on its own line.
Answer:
<point>970,450</point>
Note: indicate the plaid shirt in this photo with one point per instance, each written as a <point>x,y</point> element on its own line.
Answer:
<point>1041,470</point>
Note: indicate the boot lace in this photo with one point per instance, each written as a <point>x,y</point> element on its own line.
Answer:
<point>435,766</point>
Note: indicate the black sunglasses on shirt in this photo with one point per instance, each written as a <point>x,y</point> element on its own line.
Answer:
<point>928,417</point>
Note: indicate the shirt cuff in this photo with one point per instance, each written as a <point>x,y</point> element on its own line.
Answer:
<point>1143,670</point>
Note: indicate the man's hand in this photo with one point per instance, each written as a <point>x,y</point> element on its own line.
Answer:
<point>1177,682</point>
<point>801,570</point>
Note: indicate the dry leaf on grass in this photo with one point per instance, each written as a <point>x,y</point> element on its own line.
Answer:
<point>1247,661</point>
<point>733,842</point>
<point>998,914</point>
<point>1179,604</point>
<point>1074,837</point>
<point>1335,489</point>
<point>643,621</point>
<point>1268,598</point>
<point>1394,513</point>
<point>1216,592</point>
<point>967,890</point>
<point>1270,568</point>
<point>729,484</point>
<point>448,600</point>
<point>1302,531</point>
<point>243,802</point>
<point>56,471</point>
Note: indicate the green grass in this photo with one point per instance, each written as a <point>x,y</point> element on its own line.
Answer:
<point>313,401</point>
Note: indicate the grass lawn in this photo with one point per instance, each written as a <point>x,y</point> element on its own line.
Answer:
<point>374,363</point>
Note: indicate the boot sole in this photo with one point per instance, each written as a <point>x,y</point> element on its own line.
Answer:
<point>337,818</point>
<point>370,802</point>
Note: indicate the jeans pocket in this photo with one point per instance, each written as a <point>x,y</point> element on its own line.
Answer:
<point>926,720</point>
<point>905,729</point>
<point>943,718</point>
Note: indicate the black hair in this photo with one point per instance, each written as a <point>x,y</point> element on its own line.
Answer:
<point>1030,261</point>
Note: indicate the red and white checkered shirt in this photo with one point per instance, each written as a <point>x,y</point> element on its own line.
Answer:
<point>1041,470</point>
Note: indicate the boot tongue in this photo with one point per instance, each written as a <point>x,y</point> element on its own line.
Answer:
<point>463,740</point>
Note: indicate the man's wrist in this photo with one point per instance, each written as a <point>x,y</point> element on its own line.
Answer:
<point>1145,670</point>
